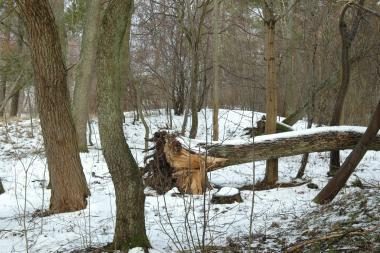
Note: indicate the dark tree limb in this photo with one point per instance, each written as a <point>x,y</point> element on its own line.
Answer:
<point>370,136</point>
<point>1,187</point>
<point>347,37</point>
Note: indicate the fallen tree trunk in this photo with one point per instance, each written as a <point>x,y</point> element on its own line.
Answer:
<point>174,165</point>
<point>293,143</point>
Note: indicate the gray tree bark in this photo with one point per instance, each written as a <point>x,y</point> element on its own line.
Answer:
<point>84,72</point>
<point>130,222</point>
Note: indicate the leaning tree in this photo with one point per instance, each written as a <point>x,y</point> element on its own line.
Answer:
<point>126,177</point>
<point>69,190</point>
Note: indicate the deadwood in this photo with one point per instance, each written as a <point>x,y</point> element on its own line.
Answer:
<point>174,165</point>
<point>278,145</point>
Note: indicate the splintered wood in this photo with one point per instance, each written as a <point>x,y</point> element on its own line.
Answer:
<point>188,171</point>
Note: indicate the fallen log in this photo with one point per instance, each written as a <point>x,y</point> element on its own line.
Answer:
<point>292,143</point>
<point>175,165</point>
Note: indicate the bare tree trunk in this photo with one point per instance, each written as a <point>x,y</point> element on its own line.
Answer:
<point>305,157</point>
<point>84,74</point>
<point>20,48</point>
<point>140,113</point>
<point>194,90</point>
<point>271,172</point>
<point>328,193</point>
<point>1,187</point>
<point>69,188</point>
<point>130,222</point>
<point>14,104</point>
<point>3,90</point>
<point>185,115</point>
<point>5,44</point>
<point>215,86</point>
<point>347,37</point>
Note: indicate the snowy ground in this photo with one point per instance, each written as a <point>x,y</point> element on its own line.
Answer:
<point>173,222</point>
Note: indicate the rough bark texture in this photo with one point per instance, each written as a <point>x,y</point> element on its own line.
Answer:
<point>130,223</point>
<point>84,74</point>
<point>69,189</point>
<point>302,143</point>
<point>58,7</point>
<point>333,187</point>
<point>271,171</point>
<point>347,37</point>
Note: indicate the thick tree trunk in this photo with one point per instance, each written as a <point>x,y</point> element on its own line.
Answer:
<point>130,223</point>
<point>69,188</point>
<point>347,37</point>
<point>271,172</point>
<point>84,74</point>
<point>289,144</point>
<point>333,187</point>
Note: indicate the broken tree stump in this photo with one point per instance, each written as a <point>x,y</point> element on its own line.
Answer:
<point>173,165</point>
<point>226,195</point>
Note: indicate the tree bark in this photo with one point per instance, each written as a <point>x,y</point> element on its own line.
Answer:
<point>271,171</point>
<point>215,86</point>
<point>130,223</point>
<point>279,145</point>
<point>84,74</point>
<point>1,187</point>
<point>58,7</point>
<point>69,189</point>
<point>370,136</point>
<point>347,37</point>
<point>194,90</point>
<point>5,46</point>
<point>20,48</point>
<point>173,165</point>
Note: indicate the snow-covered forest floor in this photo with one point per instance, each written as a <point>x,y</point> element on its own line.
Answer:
<point>175,222</point>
